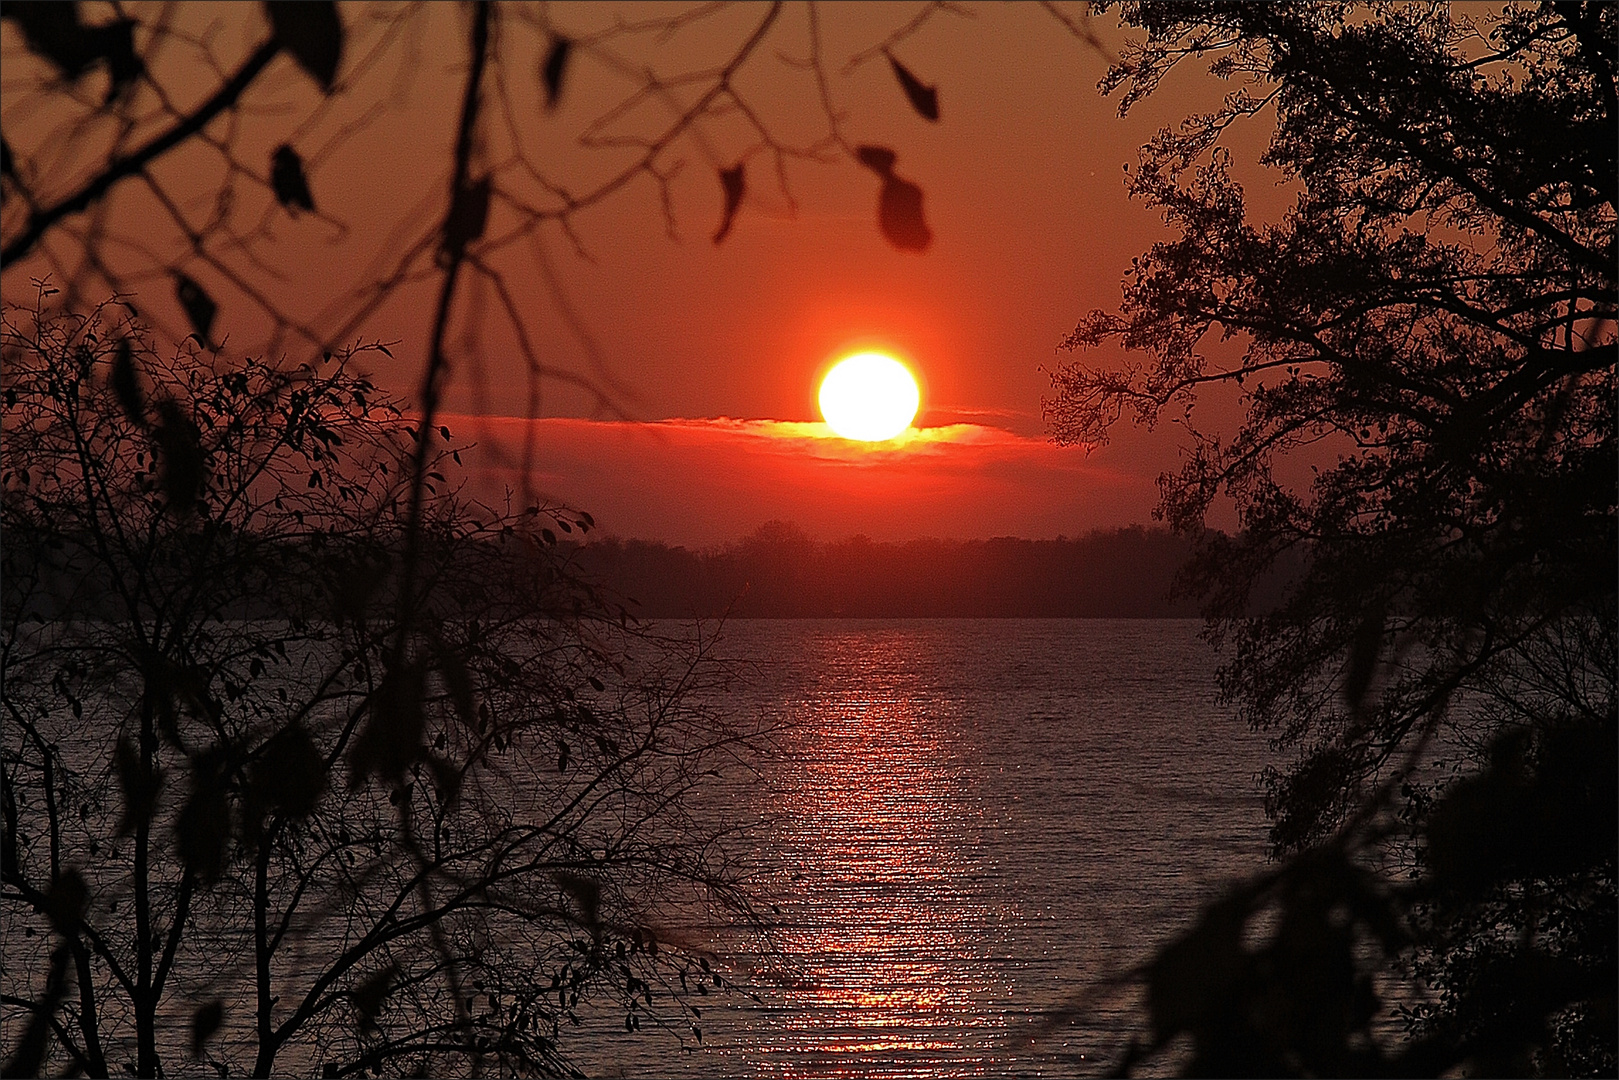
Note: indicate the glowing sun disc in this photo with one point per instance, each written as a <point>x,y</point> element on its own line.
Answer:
<point>869,397</point>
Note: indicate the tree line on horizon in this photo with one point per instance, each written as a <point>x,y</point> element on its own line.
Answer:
<point>777,571</point>
<point>780,571</point>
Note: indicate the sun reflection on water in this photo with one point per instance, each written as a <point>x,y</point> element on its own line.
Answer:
<point>960,825</point>
<point>877,831</point>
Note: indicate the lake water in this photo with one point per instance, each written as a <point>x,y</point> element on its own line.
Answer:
<point>965,825</point>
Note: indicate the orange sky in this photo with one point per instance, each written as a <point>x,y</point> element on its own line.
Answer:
<point>707,481</point>
<point>1024,194</point>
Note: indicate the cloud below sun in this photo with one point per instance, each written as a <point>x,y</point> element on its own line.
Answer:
<point>817,439</point>
<point>705,481</point>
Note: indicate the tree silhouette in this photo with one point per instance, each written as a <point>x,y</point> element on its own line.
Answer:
<point>125,167</point>
<point>355,852</point>
<point>260,810</point>
<point>1432,324</point>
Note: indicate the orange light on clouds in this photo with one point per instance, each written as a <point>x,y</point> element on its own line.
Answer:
<point>707,481</point>
<point>869,397</point>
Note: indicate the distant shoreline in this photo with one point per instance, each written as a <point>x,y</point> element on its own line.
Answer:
<point>779,572</point>
<point>930,618</point>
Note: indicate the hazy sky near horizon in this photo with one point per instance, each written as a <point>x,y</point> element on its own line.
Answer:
<point>1024,187</point>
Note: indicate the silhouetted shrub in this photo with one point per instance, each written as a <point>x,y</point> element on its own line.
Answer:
<point>288,782</point>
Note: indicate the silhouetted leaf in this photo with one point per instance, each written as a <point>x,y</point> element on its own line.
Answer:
<point>311,31</point>
<point>899,215</point>
<point>204,1023</point>
<point>64,904</point>
<point>182,469</point>
<point>391,740</point>
<point>1543,808</point>
<point>448,778</point>
<point>734,183</point>
<point>899,204</point>
<point>369,995</point>
<point>1191,978</point>
<point>562,756</point>
<point>116,43</point>
<point>879,159</point>
<point>8,167</point>
<point>202,832</point>
<point>199,307</point>
<point>924,99</point>
<point>1364,649</point>
<point>469,213</point>
<point>125,386</point>
<point>586,894</point>
<point>287,776</point>
<point>52,29</point>
<point>287,178</point>
<point>139,786</point>
<point>554,68</point>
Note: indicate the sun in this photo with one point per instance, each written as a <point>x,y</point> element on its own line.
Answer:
<point>869,396</point>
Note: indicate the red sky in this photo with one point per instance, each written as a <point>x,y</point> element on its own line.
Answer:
<point>708,481</point>
<point>708,356</point>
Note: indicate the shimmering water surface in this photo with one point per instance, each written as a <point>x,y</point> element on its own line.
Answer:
<point>964,825</point>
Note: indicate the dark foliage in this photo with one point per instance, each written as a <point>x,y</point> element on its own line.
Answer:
<point>899,203</point>
<point>734,183</point>
<point>1431,324</point>
<point>205,625</point>
<point>288,180</point>
<point>923,98</point>
<point>233,257</point>
<point>312,33</point>
<point>198,306</point>
<point>54,31</point>
<point>554,68</point>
